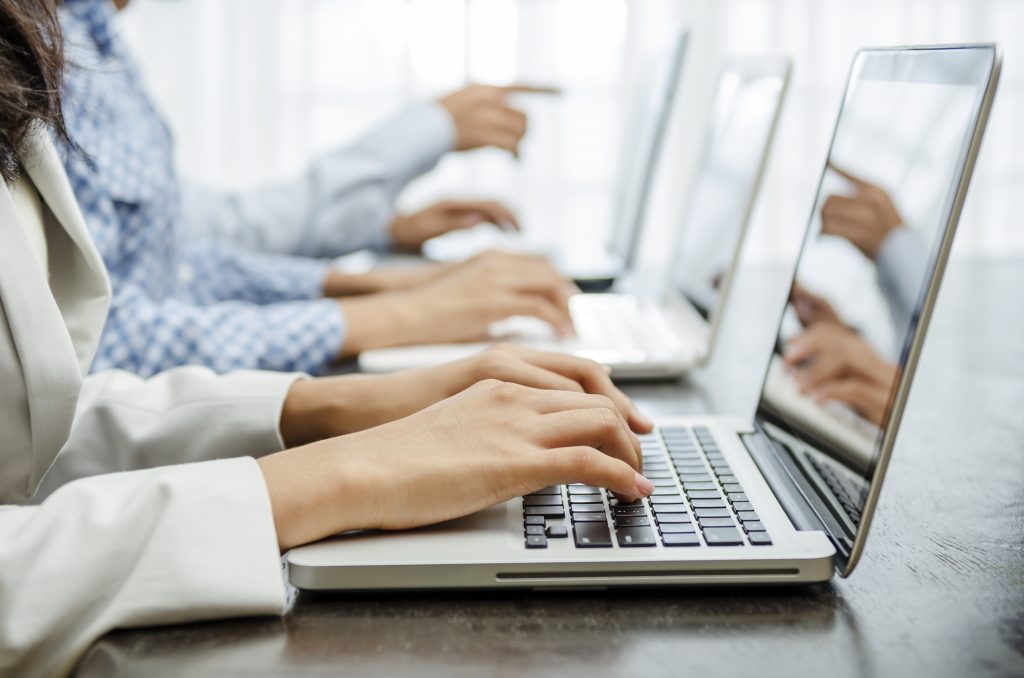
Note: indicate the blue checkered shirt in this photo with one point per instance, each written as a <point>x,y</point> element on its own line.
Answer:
<point>181,295</point>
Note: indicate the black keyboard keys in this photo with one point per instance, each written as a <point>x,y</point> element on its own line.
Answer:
<point>542,500</point>
<point>722,536</point>
<point>546,511</point>
<point>592,535</point>
<point>680,539</point>
<point>635,536</point>
<point>536,541</point>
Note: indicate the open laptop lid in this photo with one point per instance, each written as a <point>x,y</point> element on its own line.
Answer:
<point>745,112</point>
<point>889,199</point>
<point>647,124</point>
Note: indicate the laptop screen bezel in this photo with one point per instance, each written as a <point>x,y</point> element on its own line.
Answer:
<point>749,67</point>
<point>764,417</point>
<point>623,242</point>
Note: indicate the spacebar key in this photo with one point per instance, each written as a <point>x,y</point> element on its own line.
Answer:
<point>592,535</point>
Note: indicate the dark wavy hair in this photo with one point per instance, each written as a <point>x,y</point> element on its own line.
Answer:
<point>31,68</point>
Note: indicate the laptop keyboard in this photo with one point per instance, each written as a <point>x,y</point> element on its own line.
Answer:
<point>623,325</point>
<point>697,502</point>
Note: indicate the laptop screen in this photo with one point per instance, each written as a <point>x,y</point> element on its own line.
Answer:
<point>647,123</point>
<point>886,205</point>
<point>739,131</point>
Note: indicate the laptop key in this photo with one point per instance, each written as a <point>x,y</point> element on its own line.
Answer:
<point>549,490</point>
<point>629,511</point>
<point>732,487</point>
<point>759,538</point>
<point>534,520</point>
<point>716,522</point>
<point>669,508</point>
<point>707,503</point>
<point>660,500</point>
<point>584,489</point>
<point>665,491</point>
<point>666,518</point>
<point>723,536</point>
<point>703,494</point>
<point>754,526</point>
<point>743,506</point>
<point>536,541</point>
<point>680,540</point>
<point>663,482</point>
<point>592,535</point>
<point>544,500</point>
<point>631,521</point>
<point>712,512</point>
<point>676,528</point>
<point>635,536</point>
<point>546,511</point>
<point>699,486</point>
<point>557,531</point>
<point>747,516</point>
<point>534,529</point>
<point>738,496</point>
<point>589,518</point>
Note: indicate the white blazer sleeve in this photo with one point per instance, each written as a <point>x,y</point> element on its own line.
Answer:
<point>188,414</point>
<point>344,201</point>
<point>161,546</point>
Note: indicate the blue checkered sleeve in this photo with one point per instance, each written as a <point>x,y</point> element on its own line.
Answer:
<point>210,272</point>
<point>147,336</point>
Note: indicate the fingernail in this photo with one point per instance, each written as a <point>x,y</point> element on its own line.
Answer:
<point>643,486</point>
<point>607,369</point>
<point>643,420</point>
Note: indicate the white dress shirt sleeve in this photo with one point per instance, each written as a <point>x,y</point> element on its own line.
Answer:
<point>188,414</point>
<point>342,203</point>
<point>161,546</point>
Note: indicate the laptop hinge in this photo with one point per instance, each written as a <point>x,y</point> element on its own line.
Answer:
<point>795,494</point>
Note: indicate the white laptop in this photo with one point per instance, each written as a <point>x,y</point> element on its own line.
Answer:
<point>768,500</point>
<point>667,334</point>
<point>594,268</point>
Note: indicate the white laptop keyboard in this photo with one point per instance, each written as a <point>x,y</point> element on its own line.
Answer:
<point>610,328</point>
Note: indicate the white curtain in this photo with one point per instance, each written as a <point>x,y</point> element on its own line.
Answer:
<point>254,88</point>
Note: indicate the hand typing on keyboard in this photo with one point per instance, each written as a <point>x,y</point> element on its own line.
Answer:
<point>321,408</point>
<point>490,443</point>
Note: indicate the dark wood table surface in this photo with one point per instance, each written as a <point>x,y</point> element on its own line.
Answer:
<point>939,592</point>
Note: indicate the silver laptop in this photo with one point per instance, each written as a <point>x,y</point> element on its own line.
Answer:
<point>789,496</point>
<point>595,268</point>
<point>671,332</point>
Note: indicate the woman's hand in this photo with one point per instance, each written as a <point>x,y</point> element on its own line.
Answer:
<point>486,445</point>
<point>461,304</point>
<point>332,406</point>
<point>410,231</point>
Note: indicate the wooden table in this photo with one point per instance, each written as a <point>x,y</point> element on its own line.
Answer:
<point>939,592</point>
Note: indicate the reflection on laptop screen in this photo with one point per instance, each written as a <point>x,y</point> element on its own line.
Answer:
<point>883,208</point>
<point>646,127</point>
<point>739,131</point>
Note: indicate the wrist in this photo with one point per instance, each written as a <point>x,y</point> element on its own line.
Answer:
<point>318,490</point>
<point>379,321</point>
<point>304,414</point>
<point>403,235</point>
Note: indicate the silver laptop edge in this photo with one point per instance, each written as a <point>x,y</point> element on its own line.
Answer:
<point>846,562</point>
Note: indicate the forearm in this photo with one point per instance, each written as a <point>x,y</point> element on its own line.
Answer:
<point>125,423</point>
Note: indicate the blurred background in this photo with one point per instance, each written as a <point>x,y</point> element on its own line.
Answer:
<point>255,88</point>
